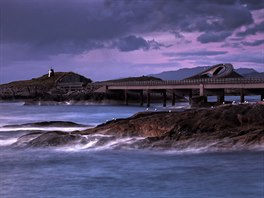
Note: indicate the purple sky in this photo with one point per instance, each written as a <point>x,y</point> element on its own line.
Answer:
<point>119,38</point>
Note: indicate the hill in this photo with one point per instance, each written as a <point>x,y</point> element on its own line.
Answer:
<point>188,72</point>
<point>131,79</point>
<point>41,81</point>
<point>42,87</point>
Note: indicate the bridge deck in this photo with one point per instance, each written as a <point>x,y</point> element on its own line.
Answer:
<point>208,83</point>
<point>203,87</point>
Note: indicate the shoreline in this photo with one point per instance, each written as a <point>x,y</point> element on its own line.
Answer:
<point>223,128</point>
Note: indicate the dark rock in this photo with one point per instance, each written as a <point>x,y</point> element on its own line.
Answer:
<point>49,139</point>
<point>215,129</point>
<point>47,124</point>
<point>23,140</point>
<point>198,127</point>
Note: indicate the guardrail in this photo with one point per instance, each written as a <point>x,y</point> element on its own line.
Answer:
<point>186,82</point>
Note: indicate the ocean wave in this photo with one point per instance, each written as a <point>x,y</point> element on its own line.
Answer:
<point>7,142</point>
<point>212,148</point>
<point>99,142</point>
<point>65,129</point>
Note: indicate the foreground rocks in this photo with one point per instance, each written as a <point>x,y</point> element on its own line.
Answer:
<point>223,128</point>
<point>47,124</point>
<point>48,139</point>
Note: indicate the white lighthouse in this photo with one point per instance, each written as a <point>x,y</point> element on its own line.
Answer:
<point>51,72</point>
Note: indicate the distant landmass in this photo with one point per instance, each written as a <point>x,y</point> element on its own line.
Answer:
<point>188,72</point>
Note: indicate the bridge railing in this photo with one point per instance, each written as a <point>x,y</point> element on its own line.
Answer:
<point>186,82</point>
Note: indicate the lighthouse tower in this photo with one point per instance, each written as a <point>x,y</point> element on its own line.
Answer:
<point>51,72</point>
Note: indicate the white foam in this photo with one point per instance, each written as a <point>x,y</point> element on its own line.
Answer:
<point>94,139</point>
<point>118,142</point>
<point>66,129</point>
<point>97,135</point>
<point>213,148</point>
<point>7,142</point>
<point>79,147</point>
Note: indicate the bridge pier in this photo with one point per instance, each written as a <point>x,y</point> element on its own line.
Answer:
<point>164,98</point>
<point>173,98</point>
<point>148,98</point>
<point>201,90</point>
<point>126,97</point>
<point>262,96</point>
<point>141,98</point>
<point>202,93</point>
<point>221,96</point>
<point>242,96</point>
<point>190,97</point>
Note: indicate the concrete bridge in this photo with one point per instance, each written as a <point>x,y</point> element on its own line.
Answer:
<point>193,88</point>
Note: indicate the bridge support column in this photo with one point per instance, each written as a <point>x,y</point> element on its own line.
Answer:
<point>126,97</point>
<point>221,97</point>
<point>148,98</point>
<point>173,98</point>
<point>202,93</point>
<point>262,96</point>
<point>201,90</point>
<point>164,98</point>
<point>190,97</point>
<point>242,96</point>
<point>141,98</point>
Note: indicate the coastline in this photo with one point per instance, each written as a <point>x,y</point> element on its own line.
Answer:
<point>223,128</point>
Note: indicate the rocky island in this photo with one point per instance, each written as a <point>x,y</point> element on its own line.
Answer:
<point>64,88</point>
<point>224,128</point>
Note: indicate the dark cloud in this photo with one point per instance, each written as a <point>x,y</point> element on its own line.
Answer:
<point>254,43</point>
<point>178,35</point>
<point>213,37</point>
<point>131,43</point>
<point>196,53</point>
<point>232,45</point>
<point>64,26</point>
<point>48,21</point>
<point>253,4</point>
<point>252,30</point>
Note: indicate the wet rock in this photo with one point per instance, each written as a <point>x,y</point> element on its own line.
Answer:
<point>23,140</point>
<point>48,139</point>
<point>207,129</point>
<point>218,127</point>
<point>47,124</point>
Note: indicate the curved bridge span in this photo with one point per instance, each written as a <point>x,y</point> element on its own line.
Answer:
<point>218,71</point>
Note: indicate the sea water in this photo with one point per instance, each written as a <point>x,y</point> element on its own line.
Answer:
<point>79,171</point>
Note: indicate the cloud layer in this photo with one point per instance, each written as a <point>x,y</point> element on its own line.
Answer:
<point>35,30</point>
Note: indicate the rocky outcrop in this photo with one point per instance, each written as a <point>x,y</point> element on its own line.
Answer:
<point>47,124</point>
<point>223,128</point>
<point>226,126</point>
<point>42,88</point>
<point>157,124</point>
<point>48,139</point>
<point>65,87</point>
